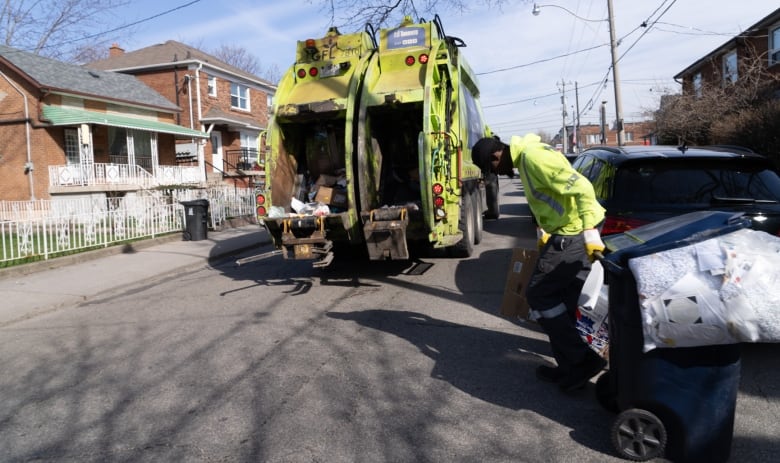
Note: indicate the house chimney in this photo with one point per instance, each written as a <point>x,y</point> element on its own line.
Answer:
<point>115,50</point>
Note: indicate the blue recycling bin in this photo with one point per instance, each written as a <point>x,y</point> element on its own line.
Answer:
<point>672,402</point>
<point>195,219</point>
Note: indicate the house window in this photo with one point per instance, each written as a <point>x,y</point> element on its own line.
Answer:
<point>72,146</point>
<point>697,84</point>
<point>774,46</point>
<point>239,96</point>
<point>212,85</point>
<point>593,139</point>
<point>132,147</point>
<point>628,136</point>
<point>730,67</point>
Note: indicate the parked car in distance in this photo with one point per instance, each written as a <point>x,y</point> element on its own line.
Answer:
<point>643,184</point>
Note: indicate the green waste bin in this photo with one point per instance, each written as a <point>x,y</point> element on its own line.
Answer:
<point>195,219</point>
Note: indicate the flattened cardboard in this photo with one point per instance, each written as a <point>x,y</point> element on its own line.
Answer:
<point>514,303</point>
<point>332,197</point>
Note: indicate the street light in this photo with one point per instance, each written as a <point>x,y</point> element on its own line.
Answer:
<point>613,49</point>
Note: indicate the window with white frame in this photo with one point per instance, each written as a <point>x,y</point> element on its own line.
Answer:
<point>697,84</point>
<point>212,86</point>
<point>593,138</point>
<point>730,67</point>
<point>72,146</point>
<point>774,46</point>
<point>628,136</point>
<point>239,96</point>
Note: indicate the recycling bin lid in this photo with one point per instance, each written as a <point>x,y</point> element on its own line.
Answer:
<point>195,202</point>
<point>671,233</point>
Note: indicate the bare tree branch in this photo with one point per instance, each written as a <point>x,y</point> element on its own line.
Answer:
<point>58,28</point>
<point>351,15</point>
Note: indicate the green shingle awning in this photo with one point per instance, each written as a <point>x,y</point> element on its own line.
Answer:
<point>59,116</point>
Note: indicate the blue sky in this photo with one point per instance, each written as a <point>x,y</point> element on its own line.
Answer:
<point>524,98</point>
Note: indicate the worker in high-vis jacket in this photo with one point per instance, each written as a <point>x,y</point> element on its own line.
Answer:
<point>568,216</point>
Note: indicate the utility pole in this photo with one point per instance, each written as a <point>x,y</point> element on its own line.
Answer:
<point>563,113</point>
<point>603,122</point>
<point>615,76</point>
<point>577,126</point>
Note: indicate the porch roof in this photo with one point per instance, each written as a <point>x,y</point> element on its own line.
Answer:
<point>59,115</point>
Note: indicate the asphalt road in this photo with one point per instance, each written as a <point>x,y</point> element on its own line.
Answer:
<point>278,362</point>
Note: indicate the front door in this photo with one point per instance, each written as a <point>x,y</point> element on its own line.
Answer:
<point>216,151</point>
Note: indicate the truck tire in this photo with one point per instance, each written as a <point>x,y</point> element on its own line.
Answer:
<point>491,195</point>
<point>476,206</point>
<point>465,247</point>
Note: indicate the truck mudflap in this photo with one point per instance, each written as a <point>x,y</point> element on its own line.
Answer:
<point>385,233</point>
<point>302,238</point>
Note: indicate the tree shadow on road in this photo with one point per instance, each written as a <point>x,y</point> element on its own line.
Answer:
<point>495,367</point>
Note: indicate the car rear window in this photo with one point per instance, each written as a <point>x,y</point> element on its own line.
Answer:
<point>694,182</point>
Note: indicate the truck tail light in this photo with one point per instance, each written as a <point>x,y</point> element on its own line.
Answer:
<point>438,202</point>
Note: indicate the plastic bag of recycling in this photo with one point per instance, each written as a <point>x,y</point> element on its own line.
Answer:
<point>720,291</point>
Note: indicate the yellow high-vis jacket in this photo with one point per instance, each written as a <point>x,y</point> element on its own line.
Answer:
<point>562,201</point>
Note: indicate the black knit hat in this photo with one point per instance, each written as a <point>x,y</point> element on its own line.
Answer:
<point>483,150</point>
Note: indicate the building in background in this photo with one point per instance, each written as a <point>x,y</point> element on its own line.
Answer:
<point>232,106</point>
<point>69,131</point>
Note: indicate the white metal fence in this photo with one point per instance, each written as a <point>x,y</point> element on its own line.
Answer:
<point>44,229</point>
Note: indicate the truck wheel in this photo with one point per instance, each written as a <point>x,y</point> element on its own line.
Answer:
<point>476,206</point>
<point>465,247</point>
<point>491,195</point>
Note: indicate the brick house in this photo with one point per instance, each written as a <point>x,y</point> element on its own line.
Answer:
<point>759,43</point>
<point>634,133</point>
<point>229,104</point>
<point>69,131</point>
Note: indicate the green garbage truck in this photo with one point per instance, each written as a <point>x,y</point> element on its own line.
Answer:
<point>370,144</point>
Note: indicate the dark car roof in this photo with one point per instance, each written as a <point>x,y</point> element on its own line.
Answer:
<point>618,155</point>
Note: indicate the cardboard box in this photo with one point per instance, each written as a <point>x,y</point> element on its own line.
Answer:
<point>521,267</point>
<point>334,197</point>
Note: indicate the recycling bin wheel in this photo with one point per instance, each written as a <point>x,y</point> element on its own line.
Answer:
<point>639,435</point>
<point>606,392</point>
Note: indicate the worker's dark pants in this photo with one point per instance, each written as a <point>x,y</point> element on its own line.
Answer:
<point>553,292</point>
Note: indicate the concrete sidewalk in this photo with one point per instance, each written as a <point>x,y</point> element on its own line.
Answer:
<point>33,289</point>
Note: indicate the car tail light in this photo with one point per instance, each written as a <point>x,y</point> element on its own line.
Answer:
<point>301,73</point>
<point>313,72</point>
<point>423,58</point>
<point>409,60</point>
<point>614,225</point>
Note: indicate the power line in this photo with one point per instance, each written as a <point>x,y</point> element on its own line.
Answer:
<point>140,21</point>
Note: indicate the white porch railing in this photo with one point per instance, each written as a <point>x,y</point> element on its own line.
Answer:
<point>109,174</point>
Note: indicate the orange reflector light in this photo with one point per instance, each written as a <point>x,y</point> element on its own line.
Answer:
<point>409,60</point>
<point>438,201</point>
<point>310,43</point>
<point>260,211</point>
<point>301,73</point>
<point>313,72</point>
<point>260,200</point>
<point>423,58</point>
<point>438,189</point>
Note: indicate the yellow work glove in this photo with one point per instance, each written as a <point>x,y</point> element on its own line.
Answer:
<point>541,237</point>
<point>593,243</point>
